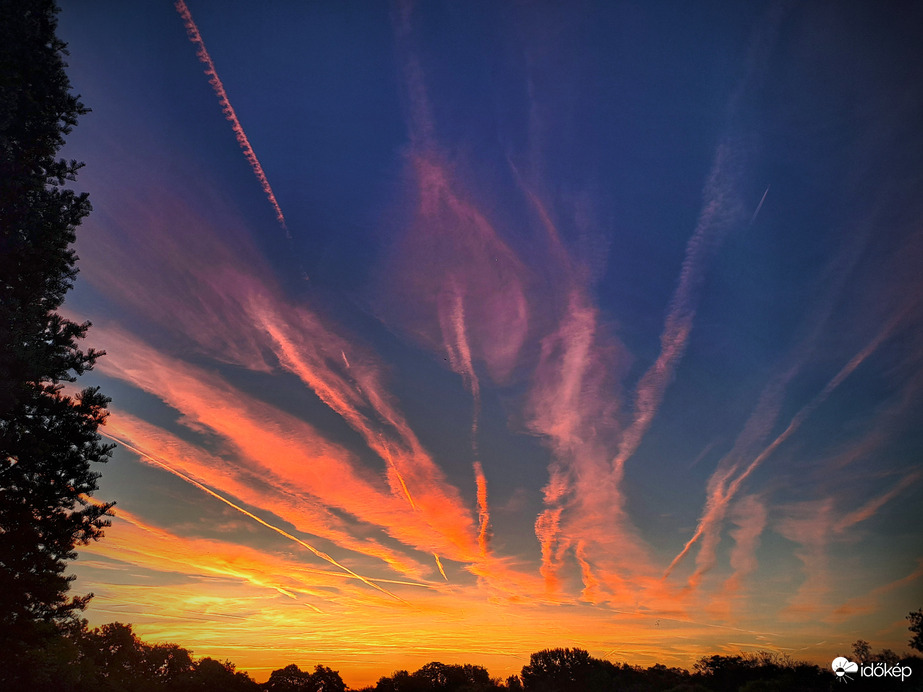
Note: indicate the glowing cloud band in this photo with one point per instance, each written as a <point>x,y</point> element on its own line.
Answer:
<point>286,534</point>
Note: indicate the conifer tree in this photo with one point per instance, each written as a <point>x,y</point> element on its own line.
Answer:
<point>48,437</point>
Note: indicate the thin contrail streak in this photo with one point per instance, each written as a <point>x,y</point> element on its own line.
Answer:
<point>386,452</point>
<point>322,555</point>
<point>193,31</point>
<point>759,206</point>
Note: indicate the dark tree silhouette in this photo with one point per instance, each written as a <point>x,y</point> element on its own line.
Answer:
<point>217,676</point>
<point>399,681</point>
<point>288,679</point>
<point>293,679</point>
<point>555,670</point>
<point>325,679</point>
<point>169,664</point>
<point>112,658</point>
<point>726,672</point>
<point>120,658</point>
<point>442,676</point>
<point>439,676</point>
<point>48,439</point>
<point>916,629</point>
<point>759,672</point>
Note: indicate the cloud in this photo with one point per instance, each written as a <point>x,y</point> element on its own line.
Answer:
<point>809,524</point>
<point>286,449</point>
<point>451,312</point>
<point>547,530</point>
<point>568,410</point>
<point>452,267</point>
<point>871,602</point>
<point>733,470</point>
<point>483,510</point>
<point>452,280</point>
<point>873,505</point>
<point>749,514</point>
<point>305,347</point>
<point>319,553</point>
<point>187,275</point>
<point>572,407</point>
<point>211,291</point>
<point>255,487</point>
<point>135,541</point>
<point>721,211</point>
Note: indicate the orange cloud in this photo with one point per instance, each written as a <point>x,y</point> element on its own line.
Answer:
<point>304,347</point>
<point>483,510</point>
<point>234,478</point>
<point>285,448</point>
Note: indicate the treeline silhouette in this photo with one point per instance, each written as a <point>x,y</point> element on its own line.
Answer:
<point>112,658</point>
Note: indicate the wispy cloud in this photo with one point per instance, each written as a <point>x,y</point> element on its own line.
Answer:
<point>870,602</point>
<point>254,487</point>
<point>483,510</point>
<point>239,310</point>
<point>809,524</point>
<point>733,471</point>
<point>282,532</point>
<point>870,508</point>
<point>290,450</point>
<point>749,514</point>
<point>721,211</point>
<point>141,543</point>
<point>571,405</point>
<point>303,346</point>
<point>547,530</point>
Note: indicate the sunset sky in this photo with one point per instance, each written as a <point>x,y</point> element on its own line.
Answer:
<point>452,331</point>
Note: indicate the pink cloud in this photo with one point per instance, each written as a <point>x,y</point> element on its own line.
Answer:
<point>809,524</point>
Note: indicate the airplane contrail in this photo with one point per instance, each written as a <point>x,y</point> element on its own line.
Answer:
<point>206,489</point>
<point>759,206</point>
<point>193,31</point>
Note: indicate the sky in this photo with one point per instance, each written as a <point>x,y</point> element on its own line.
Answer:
<point>443,331</point>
